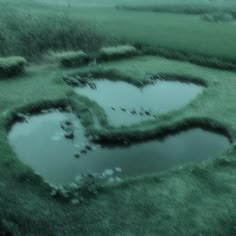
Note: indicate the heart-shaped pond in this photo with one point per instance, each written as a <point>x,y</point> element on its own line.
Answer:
<point>126,104</point>
<point>41,144</point>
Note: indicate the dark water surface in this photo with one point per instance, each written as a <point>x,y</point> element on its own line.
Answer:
<point>158,98</point>
<point>41,144</point>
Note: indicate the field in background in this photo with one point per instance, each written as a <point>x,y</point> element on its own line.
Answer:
<point>186,33</point>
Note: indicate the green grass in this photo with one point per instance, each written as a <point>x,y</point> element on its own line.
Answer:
<point>187,200</point>
<point>155,201</point>
<point>218,17</point>
<point>184,33</point>
<point>183,8</point>
<point>119,51</point>
<point>30,33</point>
<point>71,58</point>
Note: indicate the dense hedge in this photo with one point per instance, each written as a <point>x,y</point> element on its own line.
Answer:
<point>107,53</point>
<point>12,66</point>
<point>71,58</point>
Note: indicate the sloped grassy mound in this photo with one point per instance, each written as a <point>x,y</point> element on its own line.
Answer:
<point>107,53</point>
<point>71,58</point>
<point>12,66</point>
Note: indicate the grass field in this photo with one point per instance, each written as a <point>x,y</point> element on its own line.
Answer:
<point>187,200</point>
<point>189,34</point>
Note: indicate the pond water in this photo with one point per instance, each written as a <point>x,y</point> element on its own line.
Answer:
<point>126,104</point>
<point>41,144</point>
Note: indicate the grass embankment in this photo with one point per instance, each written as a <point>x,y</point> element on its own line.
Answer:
<point>187,191</point>
<point>71,58</point>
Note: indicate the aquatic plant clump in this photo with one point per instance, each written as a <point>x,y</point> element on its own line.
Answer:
<point>85,186</point>
<point>71,58</point>
<point>12,66</point>
<point>107,53</point>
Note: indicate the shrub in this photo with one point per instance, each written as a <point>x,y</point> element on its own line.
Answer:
<point>71,58</point>
<point>12,66</point>
<point>107,53</point>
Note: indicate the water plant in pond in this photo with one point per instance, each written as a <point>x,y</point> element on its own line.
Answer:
<point>85,186</point>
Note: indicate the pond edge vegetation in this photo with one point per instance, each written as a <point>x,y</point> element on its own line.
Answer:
<point>90,185</point>
<point>114,75</point>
